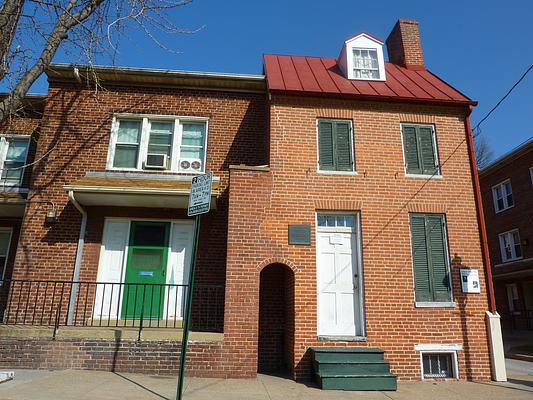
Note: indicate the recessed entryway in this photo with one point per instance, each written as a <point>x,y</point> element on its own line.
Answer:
<point>276,319</point>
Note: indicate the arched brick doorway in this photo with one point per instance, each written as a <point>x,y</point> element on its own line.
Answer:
<point>276,320</point>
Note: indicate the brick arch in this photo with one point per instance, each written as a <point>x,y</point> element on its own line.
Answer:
<point>277,260</point>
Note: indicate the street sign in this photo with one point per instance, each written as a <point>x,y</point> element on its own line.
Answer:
<point>200,197</point>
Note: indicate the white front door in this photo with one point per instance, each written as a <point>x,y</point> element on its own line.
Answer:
<point>338,276</point>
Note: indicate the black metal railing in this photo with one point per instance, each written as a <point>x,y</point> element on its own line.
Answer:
<point>108,304</point>
<point>518,320</point>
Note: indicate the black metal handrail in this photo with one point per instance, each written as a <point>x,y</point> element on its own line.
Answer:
<point>519,320</point>
<point>108,304</point>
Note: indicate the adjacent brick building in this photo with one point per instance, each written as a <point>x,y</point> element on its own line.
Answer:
<point>344,208</point>
<point>507,187</point>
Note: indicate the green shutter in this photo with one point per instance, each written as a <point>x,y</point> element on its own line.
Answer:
<point>343,144</point>
<point>430,262</point>
<point>325,146</point>
<point>427,149</point>
<point>411,150</point>
<point>420,258</point>
<point>438,259</point>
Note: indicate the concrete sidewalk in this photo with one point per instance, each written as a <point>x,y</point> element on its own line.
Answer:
<point>70,384</point>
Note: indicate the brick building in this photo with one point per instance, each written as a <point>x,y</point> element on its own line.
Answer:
<point>507,187</point>
<point>336,226</point>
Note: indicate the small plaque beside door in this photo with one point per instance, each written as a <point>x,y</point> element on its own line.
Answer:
<point>300,234</point>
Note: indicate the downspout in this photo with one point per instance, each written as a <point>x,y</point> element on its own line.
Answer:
<point>494,329</point>
<point>79,255</point>
<point>480,213</point>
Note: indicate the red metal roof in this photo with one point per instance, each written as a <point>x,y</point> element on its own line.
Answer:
<point>300,74</point>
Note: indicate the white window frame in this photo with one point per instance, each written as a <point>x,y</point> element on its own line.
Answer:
<point>366,69</point>
<point>506,205</point>
<point>145,135</point>
<point>3,268</point>
<point>438,174</point>
<point>451,349</point>
<point>531,175</point>
<point>4,145</point>
<point>352,148</point>
<point>512,290</point>
<point>501,240</point>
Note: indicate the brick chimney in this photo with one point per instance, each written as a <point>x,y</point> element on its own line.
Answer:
<point>403,45</point>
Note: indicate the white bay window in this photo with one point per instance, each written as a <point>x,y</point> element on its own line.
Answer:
<point>158,143</point>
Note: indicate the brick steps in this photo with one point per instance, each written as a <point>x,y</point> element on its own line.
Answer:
<point>352,368</point>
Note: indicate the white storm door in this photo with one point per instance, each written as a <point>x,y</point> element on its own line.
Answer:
<point>178,268</point>
<point>337,274</point>
<point>110,269</point>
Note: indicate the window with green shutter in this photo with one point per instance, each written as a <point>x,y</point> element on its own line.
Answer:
<point>430,259</point>
<point>335,146</point>
<point>419,149</point>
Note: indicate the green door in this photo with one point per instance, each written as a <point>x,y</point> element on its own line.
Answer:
<point>146,266</point>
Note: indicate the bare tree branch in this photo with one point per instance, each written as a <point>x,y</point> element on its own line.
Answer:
<point>484,153</point>
<point>33,31</point>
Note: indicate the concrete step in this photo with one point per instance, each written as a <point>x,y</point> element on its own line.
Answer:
<point>351,367</point>
<point>357,382</point>
<point>347,354</point>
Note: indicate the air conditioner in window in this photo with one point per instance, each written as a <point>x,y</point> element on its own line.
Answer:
<point>190,165</point>
<point>156,161</point>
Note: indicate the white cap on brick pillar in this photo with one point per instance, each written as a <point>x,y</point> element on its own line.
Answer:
<point>403,45</point>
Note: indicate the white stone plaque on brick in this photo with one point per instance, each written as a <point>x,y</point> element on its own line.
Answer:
<point>470,280</point>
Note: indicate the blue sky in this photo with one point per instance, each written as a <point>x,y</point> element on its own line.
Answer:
<point>480,47</point>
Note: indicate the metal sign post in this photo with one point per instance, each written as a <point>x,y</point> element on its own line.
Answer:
<point>199,203</point>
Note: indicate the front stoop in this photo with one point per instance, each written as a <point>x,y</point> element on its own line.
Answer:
<point>352,368</point>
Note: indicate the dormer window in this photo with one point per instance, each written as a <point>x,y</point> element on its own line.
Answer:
<point>361,58</point>
<point>365,63</point>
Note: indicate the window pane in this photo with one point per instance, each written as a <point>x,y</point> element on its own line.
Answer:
<point>125,157</point>
<point>147,259</point>
<point>499,194</point>
<point>150,235</point>
<point>191,152</point>
<point>4,244</point>
<point>340,220</point>
<point>193,134</point>
<point>321,220</point>
<point>12,171</point>
<point>510,201</point>
<point>129,132</point>
<point>17,150</point>
<point>330,220</point>
<point>165,128</point>
<point>156,149</point>
<point>500,204</point>
<point>350,221</point>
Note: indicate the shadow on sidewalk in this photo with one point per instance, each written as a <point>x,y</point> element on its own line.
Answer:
<point>141,386</point>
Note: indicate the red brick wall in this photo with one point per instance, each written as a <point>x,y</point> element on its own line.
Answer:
<point>75,132</point>
<point>263,203</point>
<point>147,357</point>
<point>520,216</point>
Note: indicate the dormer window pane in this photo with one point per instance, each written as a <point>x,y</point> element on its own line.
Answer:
<point>365,64</point>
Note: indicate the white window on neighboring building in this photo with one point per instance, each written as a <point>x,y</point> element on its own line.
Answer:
<point>365,64</point>
<point>13,155</point>
<point>531,174</point>
<point>158,144</point>
<point>510,246</point>
<point>5,241</point>
<point>503,196</point>
<point>513,300</point>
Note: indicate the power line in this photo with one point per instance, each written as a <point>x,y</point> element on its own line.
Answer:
<point>500,101</point>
